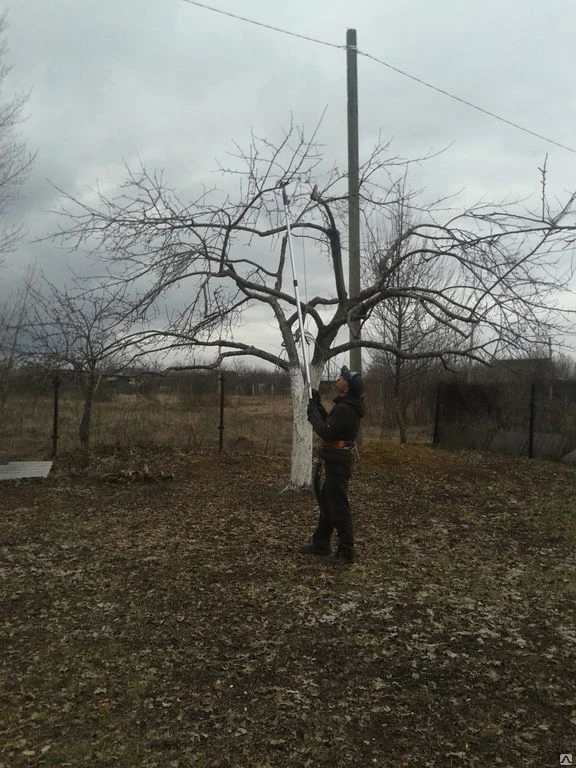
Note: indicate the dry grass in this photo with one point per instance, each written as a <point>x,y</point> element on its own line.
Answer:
<point>256,423</point>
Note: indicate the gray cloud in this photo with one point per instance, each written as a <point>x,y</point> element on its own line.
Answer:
<point>174,85</point>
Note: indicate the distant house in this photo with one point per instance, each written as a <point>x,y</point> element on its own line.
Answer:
<point>525,370</point>
<point>119,384</point>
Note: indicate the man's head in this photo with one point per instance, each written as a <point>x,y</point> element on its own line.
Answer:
<point>350,382</point>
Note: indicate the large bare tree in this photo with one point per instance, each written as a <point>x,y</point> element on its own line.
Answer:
<point>227,256</point>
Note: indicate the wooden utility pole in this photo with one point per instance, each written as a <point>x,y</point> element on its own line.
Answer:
<point>353,191</point>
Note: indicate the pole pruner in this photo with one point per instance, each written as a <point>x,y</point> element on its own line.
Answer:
<point>306,367</point>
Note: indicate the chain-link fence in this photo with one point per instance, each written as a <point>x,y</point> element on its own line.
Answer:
<point>521,418</point>
<point>41,414</point>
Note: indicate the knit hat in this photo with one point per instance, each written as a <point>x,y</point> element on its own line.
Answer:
<point>355,383</point>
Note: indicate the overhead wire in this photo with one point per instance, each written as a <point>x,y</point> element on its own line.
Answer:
<point>383,63</point>
<point>264,26</point>
<point>467,103</point>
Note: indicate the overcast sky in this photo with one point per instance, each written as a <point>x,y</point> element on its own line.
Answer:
<point>176,84</point>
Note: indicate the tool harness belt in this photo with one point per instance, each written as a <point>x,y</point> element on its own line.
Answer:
<point>345,444</point>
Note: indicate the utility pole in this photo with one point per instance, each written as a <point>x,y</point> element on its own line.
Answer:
<point>353,191</point>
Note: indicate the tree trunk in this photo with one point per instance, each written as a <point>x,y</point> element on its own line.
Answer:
<point>401,421</point>
<point>3,394</point>
<point>86,423</point>
<point>399,406</point>
<point>301,467</point>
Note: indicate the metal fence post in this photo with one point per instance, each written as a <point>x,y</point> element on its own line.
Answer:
<point>435,433</point>
<point>221,425</point>
<point>56,382</point>
<point>532,420</point>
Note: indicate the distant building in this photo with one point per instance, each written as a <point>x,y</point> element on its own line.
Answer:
<point>527,370</point>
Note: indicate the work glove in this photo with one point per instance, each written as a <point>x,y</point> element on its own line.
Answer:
<point>316,397</point>
<point>312,407</point>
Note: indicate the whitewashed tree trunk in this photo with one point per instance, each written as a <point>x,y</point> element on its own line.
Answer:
<point>301,467</point>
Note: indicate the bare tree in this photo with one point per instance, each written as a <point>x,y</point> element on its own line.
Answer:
<point>504,262</point>
<point>14,318</point>
<point>403,321</point>
<point>565,367</point>
<point>86,331</point>
<point>15,159</point>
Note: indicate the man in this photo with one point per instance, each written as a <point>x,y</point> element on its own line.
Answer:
<point>338,430</point>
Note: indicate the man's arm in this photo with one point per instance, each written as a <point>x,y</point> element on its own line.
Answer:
<point>318,403</point>
<point>329,427</point>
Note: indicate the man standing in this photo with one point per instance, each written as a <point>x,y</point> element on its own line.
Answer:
<point>338,431</point>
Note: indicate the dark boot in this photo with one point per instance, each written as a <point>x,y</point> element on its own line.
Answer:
<point>314,549</point>
<point>340,557</point>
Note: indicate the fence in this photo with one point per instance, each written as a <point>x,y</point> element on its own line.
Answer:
<point>40,419</point>
<point>522,418</point>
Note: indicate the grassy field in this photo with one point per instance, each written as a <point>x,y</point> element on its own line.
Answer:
<point>162,420</point>
<point>259,423</point>
<point>172,624</point>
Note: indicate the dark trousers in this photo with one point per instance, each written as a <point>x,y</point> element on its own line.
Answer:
<point>332,496</point>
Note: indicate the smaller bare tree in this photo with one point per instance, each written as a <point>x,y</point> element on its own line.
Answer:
<point>565,367</point>
<point>410,335</point>
<point>14,314</point>
<point>86,331</point>
<point>15,159</point>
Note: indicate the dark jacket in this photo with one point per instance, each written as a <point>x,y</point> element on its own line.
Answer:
<point>343,421</point>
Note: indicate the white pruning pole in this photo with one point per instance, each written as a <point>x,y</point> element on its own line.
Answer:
<point>296,292</point>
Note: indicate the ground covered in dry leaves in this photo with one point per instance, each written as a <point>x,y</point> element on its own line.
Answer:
<point>171,623</point>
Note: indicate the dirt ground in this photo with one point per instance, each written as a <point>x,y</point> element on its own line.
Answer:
<point>171,622</point>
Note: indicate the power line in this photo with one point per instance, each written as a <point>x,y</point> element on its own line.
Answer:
<point>265,26</point>
<point>384,64</point>
<point>467,103</point>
